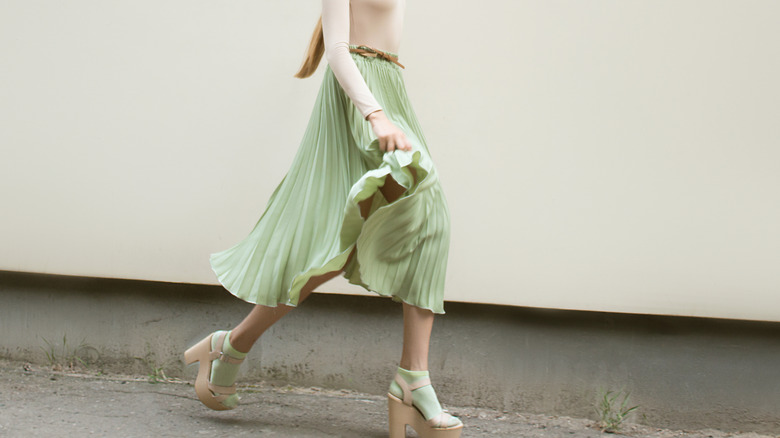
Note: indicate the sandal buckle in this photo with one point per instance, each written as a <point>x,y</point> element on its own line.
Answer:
<point>228,359</point>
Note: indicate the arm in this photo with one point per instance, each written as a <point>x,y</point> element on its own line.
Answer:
<point>335,32</point>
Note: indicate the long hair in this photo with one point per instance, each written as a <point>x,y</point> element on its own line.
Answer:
<point>314,53</point>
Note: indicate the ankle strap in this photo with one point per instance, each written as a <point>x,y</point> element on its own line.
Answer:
<point>217,353</point>
<point>408,388</point>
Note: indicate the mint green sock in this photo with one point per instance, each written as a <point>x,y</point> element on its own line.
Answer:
<point>223,373</point>
<point>424,398</point>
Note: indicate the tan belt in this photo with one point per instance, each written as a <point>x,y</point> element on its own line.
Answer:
<point>371,52</point>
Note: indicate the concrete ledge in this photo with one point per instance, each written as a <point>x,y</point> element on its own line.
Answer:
<point>682,372</point>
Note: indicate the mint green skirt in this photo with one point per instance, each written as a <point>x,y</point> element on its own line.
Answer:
<point>312,221</point>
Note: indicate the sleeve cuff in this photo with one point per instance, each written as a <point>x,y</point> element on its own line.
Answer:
<point>369,111</point>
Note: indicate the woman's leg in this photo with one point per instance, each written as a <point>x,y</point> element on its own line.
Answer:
<point>418,324</point>
<point>240,340</point>
<point>261,317</point>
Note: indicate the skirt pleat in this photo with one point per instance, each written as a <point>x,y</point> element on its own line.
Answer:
<point>312,220</point>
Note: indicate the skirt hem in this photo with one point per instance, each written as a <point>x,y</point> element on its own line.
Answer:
<point>351,233</point>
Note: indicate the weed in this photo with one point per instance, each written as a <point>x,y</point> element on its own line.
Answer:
<point>64,356</point>
<point>156,372</point>
<point>157,375</point>
<point>611,413</point>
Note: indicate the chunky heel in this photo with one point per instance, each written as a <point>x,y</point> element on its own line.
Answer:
<point>201,349</point>
<point>398,417</point>
<point>402,412</point>
<point>204,355</point>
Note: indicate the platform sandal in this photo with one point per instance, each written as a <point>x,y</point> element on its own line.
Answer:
<point>202,352</point>
<point>403,412</point>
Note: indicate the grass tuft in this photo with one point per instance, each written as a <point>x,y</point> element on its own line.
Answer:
<point>65,356</point>
<point>612,412</point>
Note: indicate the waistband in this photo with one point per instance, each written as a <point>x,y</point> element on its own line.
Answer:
<point>372,52</point>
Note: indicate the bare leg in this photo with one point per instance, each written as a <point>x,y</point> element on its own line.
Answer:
<point>246,333</point>
<point>418,324</point>
<point>261,317</point>
<point>244,336</point>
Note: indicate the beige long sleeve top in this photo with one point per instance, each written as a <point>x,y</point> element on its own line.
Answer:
<point>374,23</point>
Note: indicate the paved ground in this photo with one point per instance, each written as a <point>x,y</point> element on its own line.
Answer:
<point>39,401</point>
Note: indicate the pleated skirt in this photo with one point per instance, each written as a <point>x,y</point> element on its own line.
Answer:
<point>312,220</point>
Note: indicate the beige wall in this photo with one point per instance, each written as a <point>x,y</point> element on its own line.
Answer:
<point>601,155</point>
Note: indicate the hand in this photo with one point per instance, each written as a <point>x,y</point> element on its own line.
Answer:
<point>390,137</point>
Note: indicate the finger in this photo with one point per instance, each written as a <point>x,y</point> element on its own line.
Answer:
<point>407,144</point>
<point>400,142</point>
<point>390,145</point>
<point>382,144</point>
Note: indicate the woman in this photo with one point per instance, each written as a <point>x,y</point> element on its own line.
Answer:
<point>324,218</point>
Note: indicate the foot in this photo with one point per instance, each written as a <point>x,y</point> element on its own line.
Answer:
<point>224,373</point>
<point>424,398</point>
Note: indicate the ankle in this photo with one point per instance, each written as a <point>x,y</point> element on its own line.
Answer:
<point>412,374</point>
<point>230,348</point>
<point>224,373</point>
<point>239,342</point>
<point>413,365</point>
<point>424,398</point>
